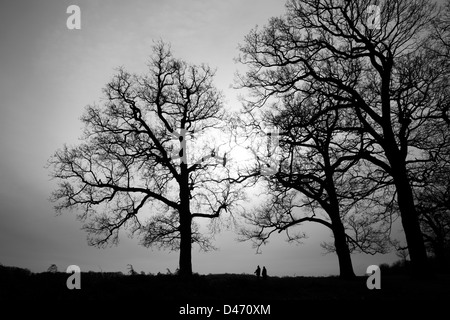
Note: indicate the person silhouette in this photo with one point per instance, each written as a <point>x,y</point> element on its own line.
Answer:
<point>264,273</point>
<point>257,272</point>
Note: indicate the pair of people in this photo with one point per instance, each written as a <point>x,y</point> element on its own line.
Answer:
<point>258,272</point>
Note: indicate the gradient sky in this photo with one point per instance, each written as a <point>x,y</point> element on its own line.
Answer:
<point>48,74</point>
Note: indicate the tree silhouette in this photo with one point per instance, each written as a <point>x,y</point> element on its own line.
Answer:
<point>432,191</point>
<point>143,165</point>
<point>441,35</point>
<point>318,171</point>
<point>383,74</point>
<point>432,178</point>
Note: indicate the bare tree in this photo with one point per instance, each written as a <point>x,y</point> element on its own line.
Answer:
<point>318,172</point>
<point>380,66</point>
<point>441,34</point>
<point>143,164</point>
<point>432,189</point>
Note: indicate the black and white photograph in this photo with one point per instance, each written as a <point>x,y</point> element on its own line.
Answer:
<point>225,159</point>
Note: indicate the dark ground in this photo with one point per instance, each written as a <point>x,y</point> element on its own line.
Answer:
<point>161,290</point>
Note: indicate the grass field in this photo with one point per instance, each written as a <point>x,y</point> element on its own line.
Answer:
<point>166,296</point>
<point>21,284</point>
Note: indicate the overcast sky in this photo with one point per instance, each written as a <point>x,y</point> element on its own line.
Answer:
<point>48,74</point>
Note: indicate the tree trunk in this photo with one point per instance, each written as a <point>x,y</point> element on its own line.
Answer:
<point>340,239</point>
<point>405,198</point>
<point>410,221</point>
<point>342,251</point>
<point>185,265</point>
